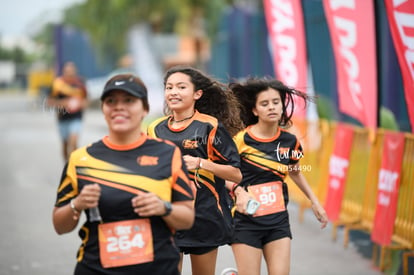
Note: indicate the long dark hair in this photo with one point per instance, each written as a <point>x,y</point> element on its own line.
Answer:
<point>247,91</point>
<point>217,99</point>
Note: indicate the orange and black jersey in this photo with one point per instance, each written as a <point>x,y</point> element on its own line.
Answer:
<point>206,138</point>
<point>65,87</point>
<point>148,165</point>
<point>264,161</point>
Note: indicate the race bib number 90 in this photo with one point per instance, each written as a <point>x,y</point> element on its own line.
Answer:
<point>125,243</point>
<point>270,196</point>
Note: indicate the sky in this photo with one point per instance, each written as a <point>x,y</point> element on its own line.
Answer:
<point>20,18</point>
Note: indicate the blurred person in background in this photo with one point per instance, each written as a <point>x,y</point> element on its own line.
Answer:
<point>69,99</point>
<point>202,116</point>
<point>134,190</point>
<point>268,153</point>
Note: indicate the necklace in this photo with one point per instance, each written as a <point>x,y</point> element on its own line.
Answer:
<point>181,120</point>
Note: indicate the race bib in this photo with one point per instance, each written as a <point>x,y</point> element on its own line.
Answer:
<point>270,196</point>
<point>125,243</point>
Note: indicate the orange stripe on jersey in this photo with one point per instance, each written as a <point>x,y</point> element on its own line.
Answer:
<point>178,188</point>
<point>182,175</point>
<point>213,153</point>
<point>166,141</point>
<point>112,184</point>
<point>265,168</point>
<point>131,146</point>
<point>210,148</point>
<point>210,187</point>
<point>249,131</point>
<point>177,172</point>
<point>176,163</point>
<point>206,118</point>
<point>219,154</point>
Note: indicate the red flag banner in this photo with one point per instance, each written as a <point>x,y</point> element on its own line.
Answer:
<point>338,170</point>
<point>388,185</point>
<point>284,20</point>
<point>401,20</point>
<point>352,28</point>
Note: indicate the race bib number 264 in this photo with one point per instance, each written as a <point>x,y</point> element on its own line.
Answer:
<point>125,243</point>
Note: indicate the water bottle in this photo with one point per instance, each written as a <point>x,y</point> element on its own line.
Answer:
<point>95,215</point>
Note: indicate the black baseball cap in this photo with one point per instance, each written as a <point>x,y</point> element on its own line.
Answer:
<point>127,84</point>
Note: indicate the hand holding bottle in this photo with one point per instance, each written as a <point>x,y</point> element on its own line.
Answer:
<point>89,198</point>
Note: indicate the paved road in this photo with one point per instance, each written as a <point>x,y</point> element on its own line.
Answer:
<point>30,167</point>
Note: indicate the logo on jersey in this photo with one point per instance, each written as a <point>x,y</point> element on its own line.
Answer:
<point>286,153</point>
<point>190,144</point>
<point>147,160</point>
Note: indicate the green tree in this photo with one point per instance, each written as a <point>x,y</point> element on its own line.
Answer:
<point>15,54</point>
<point>45,38</point>
<point>107,22</point>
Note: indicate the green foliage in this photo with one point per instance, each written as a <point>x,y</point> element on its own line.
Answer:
<point>326,109</point>
<point>108,23</point>
<point>387,119</point>
<point>16,54</point>
<point>45,38</point>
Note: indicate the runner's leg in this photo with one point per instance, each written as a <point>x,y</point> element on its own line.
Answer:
<point>204,264</point>
<point>248,259</point>
<point>277,256</point>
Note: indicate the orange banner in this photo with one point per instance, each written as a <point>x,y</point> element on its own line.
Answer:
<point>338,170</point>
<point>352,28</point>
<point>388,185</point>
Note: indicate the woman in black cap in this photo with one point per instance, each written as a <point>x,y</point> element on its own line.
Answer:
<point>134,191</point>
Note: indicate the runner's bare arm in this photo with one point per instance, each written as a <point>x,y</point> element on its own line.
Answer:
<point>226,172</point>
<point>300,180</point>
<point>64,219</point>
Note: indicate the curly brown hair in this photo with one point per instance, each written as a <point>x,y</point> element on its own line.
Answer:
<point>217,99</point>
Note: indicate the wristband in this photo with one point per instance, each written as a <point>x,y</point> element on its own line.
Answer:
<point>73,207</point>
<point>234,187</point>
<point>75,211</point>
